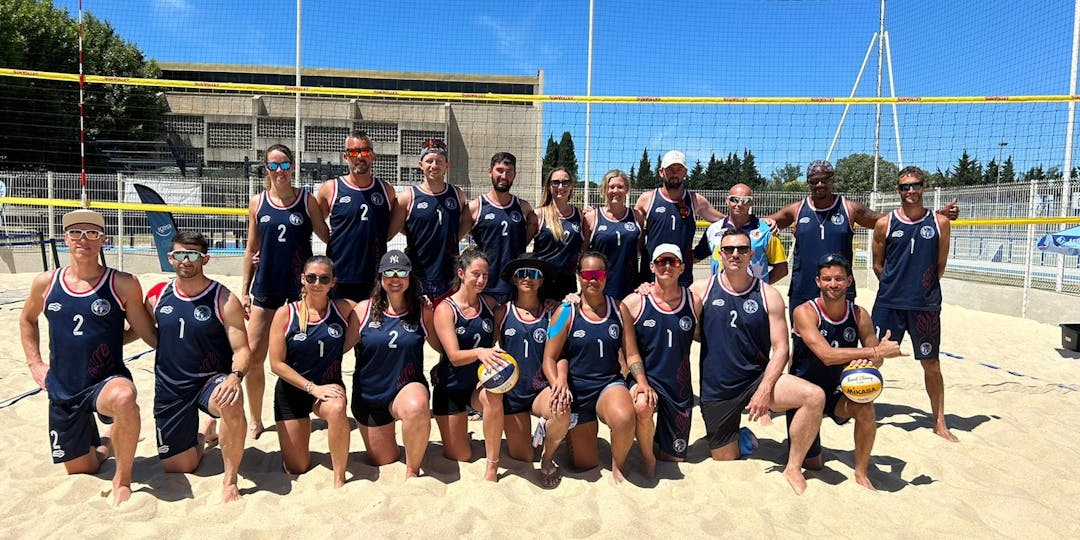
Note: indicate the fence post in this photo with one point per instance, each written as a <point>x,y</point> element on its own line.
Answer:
<point>119,240</point>
<point>1030,253</point>
<point>50,188</point>
<point>875,201</point>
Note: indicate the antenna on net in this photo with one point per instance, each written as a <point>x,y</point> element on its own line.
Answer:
<point>881,39</point>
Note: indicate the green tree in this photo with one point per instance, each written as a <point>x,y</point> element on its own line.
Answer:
<point>789,173</point>
<point>1008,174</point>
<point>748,172</point>
<point>551,158</point>
<point>1035,173</point>
<point>567,157</point>
<point>990,174</point>
<point>855,173</point>
<point>40,117</point>
<point>967,172</point>
<point>696,176</point>
<point>645,178</point>
<point>730,169</point>
<point>713,174</point>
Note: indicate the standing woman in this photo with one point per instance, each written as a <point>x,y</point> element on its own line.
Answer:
<point>307,341</point>
<point>280,222</point>
<point>559,239</point>
<point>523,334</point>
<point>465,324</point>
<point>585,373</point>
<point>615,231</point>
<point>389,382</point>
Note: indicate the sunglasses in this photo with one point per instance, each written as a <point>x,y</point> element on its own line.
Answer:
<point>272,167</point>
<point>683,210</point>
<point>528,273</point>
<point>435,143</point>
<point>818,181</point>
<point>560,183</point>
<point>673,262</point>
<point>324,279</point>
<point>909,187</point>
<point>591,275</point>
<point>395,273</point>
<point>353,152</point>
<point>79,234</point>
<point>187,255</point>
<point>734,199</point>
<point>728,250</point>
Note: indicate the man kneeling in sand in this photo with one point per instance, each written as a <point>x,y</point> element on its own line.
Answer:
<point>201,360</point>
<point>826,338</point>
<point>86,305</point>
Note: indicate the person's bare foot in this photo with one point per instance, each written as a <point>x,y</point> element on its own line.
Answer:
<point>864,481</point>
<point>616,475</point>
<point>550,476</point>
<point>941,430</point>
<point>648,467</point>
<point>121,494</point>
<point>230,493</point>
<point>795,478</point>
<point>491,474</point>
<point>255,429</point>
<point>411,473</point>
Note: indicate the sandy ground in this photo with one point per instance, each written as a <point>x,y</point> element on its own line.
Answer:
<point>1011,395</point>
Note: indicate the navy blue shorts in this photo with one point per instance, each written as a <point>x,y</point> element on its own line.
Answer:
<point>72,429</point>
<point>585,399</point>
<point>672,425</point>
<point>356,292</point>
<point>375,414</point>
<point>722,417</point>
<point>515,403</point>
<point>271,301</point>
<point>177,420</point>
<point>446,402</point>
<point>292,403</point>
<point>924,327</point>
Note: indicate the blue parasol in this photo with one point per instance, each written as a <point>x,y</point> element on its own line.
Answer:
<point>1066,242</point>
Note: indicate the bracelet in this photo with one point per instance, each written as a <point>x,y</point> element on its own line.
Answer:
<point>307,387</point>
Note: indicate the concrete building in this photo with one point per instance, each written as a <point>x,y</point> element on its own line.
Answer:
<point>221,129</point>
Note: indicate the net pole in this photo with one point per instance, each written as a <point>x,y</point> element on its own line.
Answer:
<point>892,94</point>
<point>588,105</point>
<point>877,108</point>
<point>1069,130</point>
<point>854,88</point>
<point>296,130</point>
<point>1029,255</point>
<point>82,114</point>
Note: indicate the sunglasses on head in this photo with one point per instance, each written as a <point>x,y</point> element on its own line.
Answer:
<point>683,210</point>
<point>186,255</point>
<point>818,181</point>
<point>434,143</point>
<point>909,187</point>
<point>395,273</point>
<point>728,250</point>
<point>79,234</point>
<point>673,262</point>
<point>284,165</point>
<point>590,275</point>
<point>528,273</point>
<point>353,152</point>
<point>735,199</point>
<point>325,279</point>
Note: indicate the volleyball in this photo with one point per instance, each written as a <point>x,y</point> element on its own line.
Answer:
<point>501,380</point>
<point>861,384</point>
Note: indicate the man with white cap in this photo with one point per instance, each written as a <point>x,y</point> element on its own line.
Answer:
<point>664,323</point>
<point>87,305</point>
<point>671,212</point>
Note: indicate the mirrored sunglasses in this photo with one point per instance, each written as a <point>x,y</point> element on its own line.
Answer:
<point>590,275</point>
<point>735,199</point>
<point>728,250</point>
<point>321,278</point>
<point>673,262</point>
<point>528,273</point>
<point>395,273</point>
<point>273,167</point>
<point>186,255</point>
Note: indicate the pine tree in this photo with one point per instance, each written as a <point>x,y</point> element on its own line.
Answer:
<point>1008,174</point>
<point>551,158</point>
<point>567,157</point>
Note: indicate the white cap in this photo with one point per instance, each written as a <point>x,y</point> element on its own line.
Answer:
<point>666,249</point>
<point>671,158</point>
<point>83,216</point>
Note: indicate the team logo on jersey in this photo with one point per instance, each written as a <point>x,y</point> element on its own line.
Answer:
<point>264,219</point>
<point>679,445</point>
<point>849,335</point>
<point>661,210</point>
<point>578,333</point>
<point>202,313</point>
<point>613,331</point>
<point>377,199</point>
<point>648,323</point>
<point>755,234</point>
<point>926,232</point>
<point>296,219</point>
<point>450,203</point>
<point>686,323</point>
<point>486,325</point>
<point>299,337</point>
<point>837,219</point>
<point>101,307</point>
<point>575,227</point>
<point>55,306</point>
<point>719,302</point>
<point>489,216</point>
<point>460,330</point>
<point>750,306</point>
<point>824,333</point>
<point>601,228</point>
<point>510,332</point>
<point>378,324</point>
<point>630,226</point>
<point>897,234</point>
<point>422,206</point>
<point>334,330</point>
<point>539,335</point>
<point>165,310</point>
<point>515,216</point>
<point>408,326</point>
<point>345,200</point>
<point>804,220</point>
<point>925,348</point>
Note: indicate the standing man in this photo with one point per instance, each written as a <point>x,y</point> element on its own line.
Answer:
<point>503,224</point>
<point>201,360</point>
<point>431,216</point>
<point>825,340</point>
<point>769,262</point>
<point>671,212</point>
<point>359,208</point>
<point>911,247</point>
<point>744,348</point>
<point>86,305</point>
<point>825,223</point>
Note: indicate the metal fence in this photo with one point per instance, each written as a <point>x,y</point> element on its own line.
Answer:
<point>1002,254</point>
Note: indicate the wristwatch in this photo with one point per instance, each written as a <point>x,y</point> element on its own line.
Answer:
<point>239,375</point>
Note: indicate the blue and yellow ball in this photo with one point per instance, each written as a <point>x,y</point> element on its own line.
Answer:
<point>861,384</point>
<point>500,381</point>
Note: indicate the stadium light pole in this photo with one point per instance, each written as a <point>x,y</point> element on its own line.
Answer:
<point>1001,148</point>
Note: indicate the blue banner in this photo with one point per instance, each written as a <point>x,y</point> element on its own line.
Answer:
<point>161,225</point>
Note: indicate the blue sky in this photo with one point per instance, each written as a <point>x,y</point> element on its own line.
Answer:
<point>677,48</point>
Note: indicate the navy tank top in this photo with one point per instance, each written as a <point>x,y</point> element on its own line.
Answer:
<point>618,241</point>
<point>592,348</point>
<point>564,252</point>
<point>193,344</point>
<point>86,335</point>
<point>670,222</point>
<point>664,338</point>
<point>524,338</point>
<point>500,232</point>
<point>910,277</point>
<point>359,220</point>
<point>316,354</point>
<point>431,232</point>
<point>839,334</point>
<point>818,232</point>
<point>389,356</point>
<point>472,333</point>
<point>284,246</point>
<point>735,341</point>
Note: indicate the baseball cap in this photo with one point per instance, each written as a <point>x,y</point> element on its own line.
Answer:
<point>819,166</point>
<point>433,146</point>
<point>394,260</point>
<point>667,249</point>
<point>83,216</point>
<point>671,158</point>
